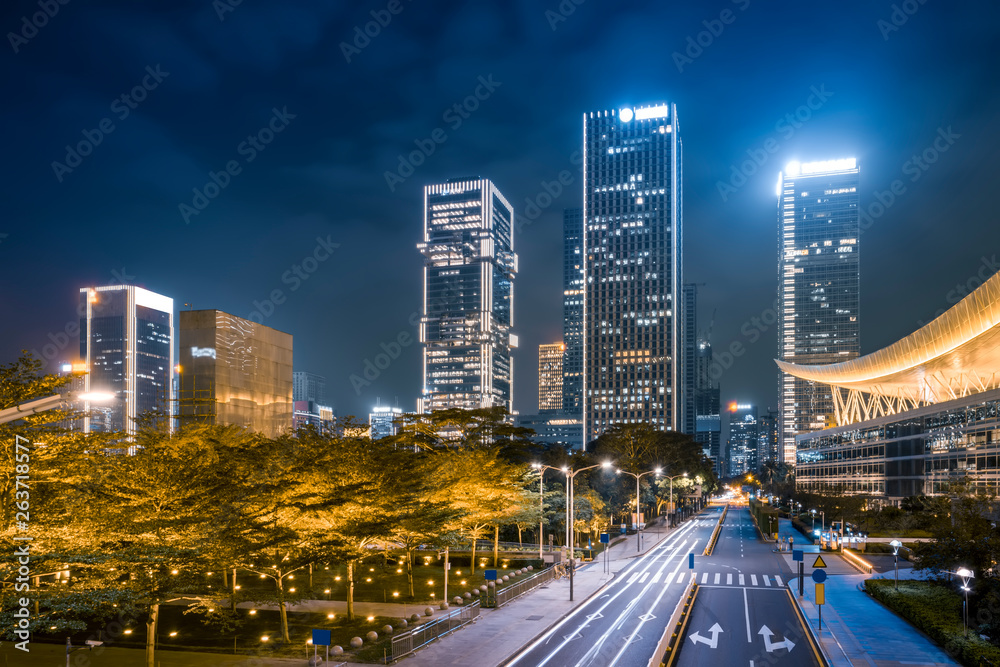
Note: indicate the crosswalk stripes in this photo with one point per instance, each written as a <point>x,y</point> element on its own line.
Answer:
<point>633,577</point>
<point>778,579</point>
<point>656,577</point>
<point>729,579</point>
<point>767,580</point>
<point>704,578</point>
<point>717,575</point>
<point>707,578</point>
<point>742,582</point>
<point>645,575</point>
<point>681,576</point>
<point>753,579</point>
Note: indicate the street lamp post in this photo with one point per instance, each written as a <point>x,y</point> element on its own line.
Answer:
<point>541,468</point>
<point>813,512</point>
<point>50,403</point>
<point>895,544</point>
<point>570,477</point>
<point>638,530</point>
<point>966,575</point>
<point>673,507</point>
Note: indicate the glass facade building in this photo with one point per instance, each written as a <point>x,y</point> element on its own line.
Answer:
<point>383,421</point>
<point>744,439</point>
<point>708,408</point>
<point>573,280</point>
<point>923,451</point>
<point>818,287</point>
<point>234,371</point>
<point>632,267</point>
<point>468,300</point>
<point>309,387</point>
<point>127,347</point>
<point>689,354</point>
<point>550,377</point>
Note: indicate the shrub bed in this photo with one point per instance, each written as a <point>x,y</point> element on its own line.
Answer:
<point>935,610</point>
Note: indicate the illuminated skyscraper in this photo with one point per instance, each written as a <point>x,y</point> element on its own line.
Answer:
<point>744,439</point>
<point>550,377</point>
<point>818,286</point>
<point>234,371</point>
<point>383,421</point>
<point>127,345</point>
<point>573,312</point>
<point>632,251</point>
<point>468,305</point>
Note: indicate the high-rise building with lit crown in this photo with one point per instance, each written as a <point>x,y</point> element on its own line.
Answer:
<point>468,300</point>
<point>127,347</point>
<point>550,377</point>
<point>573,311</point>
<point>818,287</point>
<point>632,265</point>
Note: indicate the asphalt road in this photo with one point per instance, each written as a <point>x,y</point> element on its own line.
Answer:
<point>622,624</point>
<point>743,614</point>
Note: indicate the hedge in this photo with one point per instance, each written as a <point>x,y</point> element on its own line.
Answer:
<point>936,611</point>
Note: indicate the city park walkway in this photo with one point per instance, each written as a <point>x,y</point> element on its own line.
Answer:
<point>858,630</point>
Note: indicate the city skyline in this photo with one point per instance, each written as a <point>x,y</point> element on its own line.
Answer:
<point>323,235</point>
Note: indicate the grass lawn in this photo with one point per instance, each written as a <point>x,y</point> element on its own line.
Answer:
<point>50,655</point>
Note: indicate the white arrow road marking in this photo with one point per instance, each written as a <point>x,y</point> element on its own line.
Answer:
<point>713,642</point>
<point>770,646</point>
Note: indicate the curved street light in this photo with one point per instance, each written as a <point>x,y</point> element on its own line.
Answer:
<point>674,507</point>
<point>570,476</point>
<point>638,529</point>
<point>541,468</point>
<point>51,403</point>
<point>966,575</point>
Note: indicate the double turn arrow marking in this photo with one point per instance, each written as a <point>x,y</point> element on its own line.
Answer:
<point>713,642</point>
<point>770,646</point>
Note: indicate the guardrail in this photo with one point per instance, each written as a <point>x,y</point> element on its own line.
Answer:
<point>408,642</point>
<point>715,533</point>
<point>669,643</point>
<point>858,562</point>
<point>514,591</point>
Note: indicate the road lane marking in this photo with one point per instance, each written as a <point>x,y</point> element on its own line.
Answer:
<point>645,575</point>
<point>704,578</point>
<point>656,577</point>
<point>729,579</point>
<point>753,579</point>
<point>681,577</point>
<point>746,612</point>
<point>717,576</point>
<point>632,577</point>
<point>767,580</point>
<point>778,579</point>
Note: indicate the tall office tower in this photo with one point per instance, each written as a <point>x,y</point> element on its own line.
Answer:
<point>383,421</point>
<point>234,371</point>
<point>468,305</point>
<point>573,311</point>
<point>689,363</point>
<point>708,423</point>
<point>550,377</point>
<point>127,344</point>
<point>632,264</point>
<point>818,286</point>
<point>743,438</point>
<point>768,450</point>
<point>309,387</point>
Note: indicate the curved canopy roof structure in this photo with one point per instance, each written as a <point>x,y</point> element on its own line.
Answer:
<point>954,355</point>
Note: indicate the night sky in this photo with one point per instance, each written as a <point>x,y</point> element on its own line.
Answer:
<point>884,85</point>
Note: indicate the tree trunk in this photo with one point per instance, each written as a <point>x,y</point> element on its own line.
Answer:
<point>154,613</point>
<point>409,571</point>
<point>472,562</point>
<point>232,595</point>
<point>282,610</point>
<point>496,544</point>
<point>225,577</point>
<point>350,590</point>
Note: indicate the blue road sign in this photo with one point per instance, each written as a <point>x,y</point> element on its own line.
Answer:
<point>605,538</point>
<point>691,561</point>
<point>491,575</point>
<point>321,637</point>
<point>819,575</point>
<point>797,554</point>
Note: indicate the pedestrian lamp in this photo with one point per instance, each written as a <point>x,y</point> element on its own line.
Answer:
<point>895,544</point>
<point>570,476</point>
<point>966,575</point>
<point>673,507</point>
<point>541,468</point>
<point>657,471</point>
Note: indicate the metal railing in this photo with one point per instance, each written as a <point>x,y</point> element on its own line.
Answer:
<point>508,593</point>
<point>408,642</point>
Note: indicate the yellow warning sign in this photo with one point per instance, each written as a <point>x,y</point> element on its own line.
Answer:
<point>819,562</point>
<point>820,593</point>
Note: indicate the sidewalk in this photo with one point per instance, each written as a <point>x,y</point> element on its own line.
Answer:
<point>857,630</point>
<point>499,633</point>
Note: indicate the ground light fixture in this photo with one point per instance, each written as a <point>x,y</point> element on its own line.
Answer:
<point>895,544</point>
